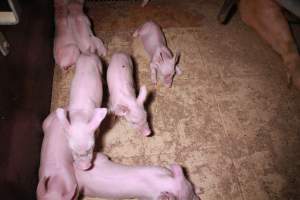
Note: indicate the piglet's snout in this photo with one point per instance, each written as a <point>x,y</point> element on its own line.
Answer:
<point>82,165</point>
<point>168,81</point>
<point>83,161</point>
<point>145,130</point>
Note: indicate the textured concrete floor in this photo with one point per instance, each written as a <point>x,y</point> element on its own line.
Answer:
<point>229,119</point>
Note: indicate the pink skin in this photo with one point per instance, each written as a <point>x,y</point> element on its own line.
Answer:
<point>81,27</point>
<point>163,63</point>
<point>116,181</point>
<point>85,115</point>
<point>65,49</point>
<point>56,173</point>
<point>258,14</point>
<point>123,100</point>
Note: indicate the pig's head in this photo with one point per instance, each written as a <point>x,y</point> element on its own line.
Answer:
<point>134,112</point>
<point>50,188</point>
<point>80,136</point>
<point>184,189</point>
<point>166,65</point>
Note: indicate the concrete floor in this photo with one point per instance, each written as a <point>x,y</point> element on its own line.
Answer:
<point>229,119</point>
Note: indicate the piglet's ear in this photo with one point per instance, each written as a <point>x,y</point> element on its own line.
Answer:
<point>176,57</point>
<point>55,182</point>
<point>58,184</point>
<point>97,118</point>
<point>71,194</point>
<point>177,170</point>
<point>62,117</point>
<point>121,110</point>
<point>178,70</point>
<point>166,196</point>
<point>158,56</point>
<point>142,95</point>
<point>42,187</point>
<point>161,56</point>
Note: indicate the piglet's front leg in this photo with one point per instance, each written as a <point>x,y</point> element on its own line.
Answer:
<point>153,73</point>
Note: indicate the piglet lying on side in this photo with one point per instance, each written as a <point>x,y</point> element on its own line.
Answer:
<point>81,28</point>
<point>116,181</point>
<point>65,50</point>
<point>56,174</point>
<point>163,63</point>
<point>123,101</point>
<point>85,115</point>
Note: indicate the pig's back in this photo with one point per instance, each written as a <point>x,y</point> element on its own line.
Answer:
<point>80,24</point>
<point>152,37</point>
<point>86,87</point>
<point>106,176</point>
<point>120,75</point>
<point>55,153</point>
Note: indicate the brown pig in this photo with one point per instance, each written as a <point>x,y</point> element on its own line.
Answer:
<point>267,19</point>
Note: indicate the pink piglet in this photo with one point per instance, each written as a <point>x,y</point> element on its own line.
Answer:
<point>117,181</point>
<point>163,64</point>
<point>66,51</point>
<point>84,112</point>
<point>123,100</point>
<point>56,173</point>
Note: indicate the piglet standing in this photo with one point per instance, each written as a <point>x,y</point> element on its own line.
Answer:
<point>163,63</point>
<point>65,49</point>
<point>123,100</point>
<point>81,28</point>
<point>85,115</point>
<point>56,174</point>
<point>116,181</point>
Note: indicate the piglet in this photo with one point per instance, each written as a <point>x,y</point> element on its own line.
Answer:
<point>56,173</point>
<point>65,49</point>
<point>85,115</point>
<point>123,101</point>
<point>116,181</point>
<point>81,28</point>
<point>163,63</point>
